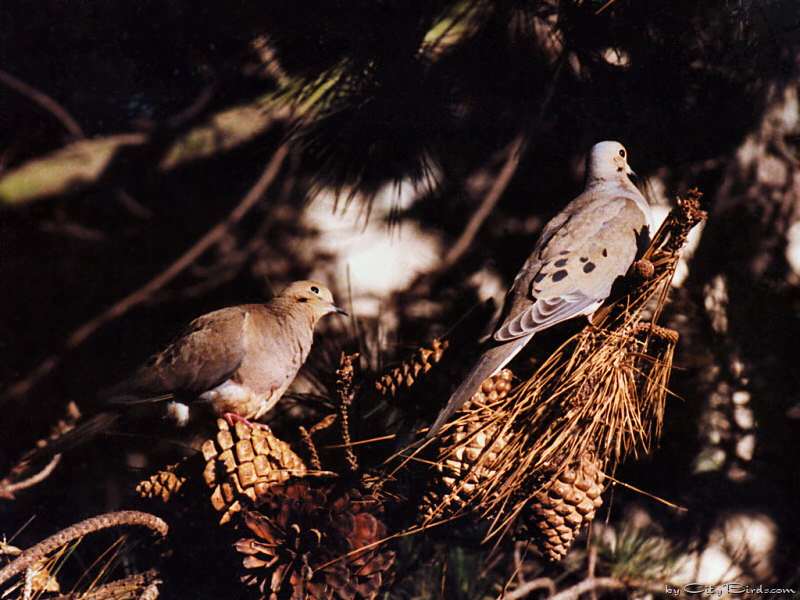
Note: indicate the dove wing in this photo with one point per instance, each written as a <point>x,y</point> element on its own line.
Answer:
<point>574,265</point>
<point>208,352</point>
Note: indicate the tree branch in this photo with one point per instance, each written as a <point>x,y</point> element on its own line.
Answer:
<point>43,100</point>
<point>588,585</point>
<point>528,587</point>
<point>81,164</point>
<point>512,152</point>
<point>115,519</point>
<point>79,335</point>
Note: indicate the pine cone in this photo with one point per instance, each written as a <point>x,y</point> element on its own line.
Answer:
<point>559,511</point>
<point>464,459</point>
<point>309,545</point>
<point>164,484</point>
<point>405,375</point>
<point>244,463</point>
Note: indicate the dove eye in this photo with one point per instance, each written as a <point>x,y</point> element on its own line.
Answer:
<point>315,289</point>
<point>622,152</point>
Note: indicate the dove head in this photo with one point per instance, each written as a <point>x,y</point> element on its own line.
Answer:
<point>607,160</point>
<point>315,298</point>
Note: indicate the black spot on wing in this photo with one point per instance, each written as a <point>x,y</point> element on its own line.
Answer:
<point>605,252</point>
<point>560,262</point>
<point>560,274</point>
<point>584,258</point>
<point>588,267</point>
<point>564,252</point>
<point>539,276</point>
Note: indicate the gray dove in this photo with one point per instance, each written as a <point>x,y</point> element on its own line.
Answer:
<point>576,260</point>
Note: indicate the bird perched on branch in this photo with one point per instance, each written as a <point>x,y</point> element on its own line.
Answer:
<point>237,361</point>
<point>579,255</point>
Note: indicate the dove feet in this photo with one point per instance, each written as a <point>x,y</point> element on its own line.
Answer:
<point>231,418</point>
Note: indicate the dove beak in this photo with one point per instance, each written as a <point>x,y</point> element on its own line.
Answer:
<point>632,176</point>
<point>336,309</point>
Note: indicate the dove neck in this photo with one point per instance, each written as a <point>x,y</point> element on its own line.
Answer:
<point>303,318</point>
<point>621,179</point>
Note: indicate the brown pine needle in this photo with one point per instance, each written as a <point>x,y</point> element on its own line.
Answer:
<point>641,491</point>
<point>361,442</point>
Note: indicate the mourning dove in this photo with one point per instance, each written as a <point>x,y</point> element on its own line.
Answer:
<point>238,361</point>
<point>579,255</point>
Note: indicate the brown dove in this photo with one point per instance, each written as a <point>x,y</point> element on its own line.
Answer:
<point>579,255</point>
<point>238,361</point>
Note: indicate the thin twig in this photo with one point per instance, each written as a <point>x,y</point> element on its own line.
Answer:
<point>230,265</point>
<point>194,109</point>
<point>587,585</point>
<point>591,563</point>
<point>513,152</point>
<point>605,6</point>
<point>13,481</point>
<point>372,440</point>
<point>78,530</point>
<point>640,491</point>
<point>312,448</point>
<point>121,589</point>
<point>344,388</point>
<point>43,100</point>
<point>111,553</point>
<point>8,490</point>
<point>528,587</point>
<point>444,574</point>
<point>79,335</point>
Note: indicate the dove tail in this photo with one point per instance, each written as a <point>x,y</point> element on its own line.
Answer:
<point>492,361</point>
<point>80,434</point>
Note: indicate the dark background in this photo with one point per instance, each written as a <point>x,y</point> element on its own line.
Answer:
<point>704,95</point>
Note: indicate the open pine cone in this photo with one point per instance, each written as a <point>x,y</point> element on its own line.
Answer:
<point>559,511</point>
<point>308,544</point>
<point>468,451</point>
<point>242,464</point>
